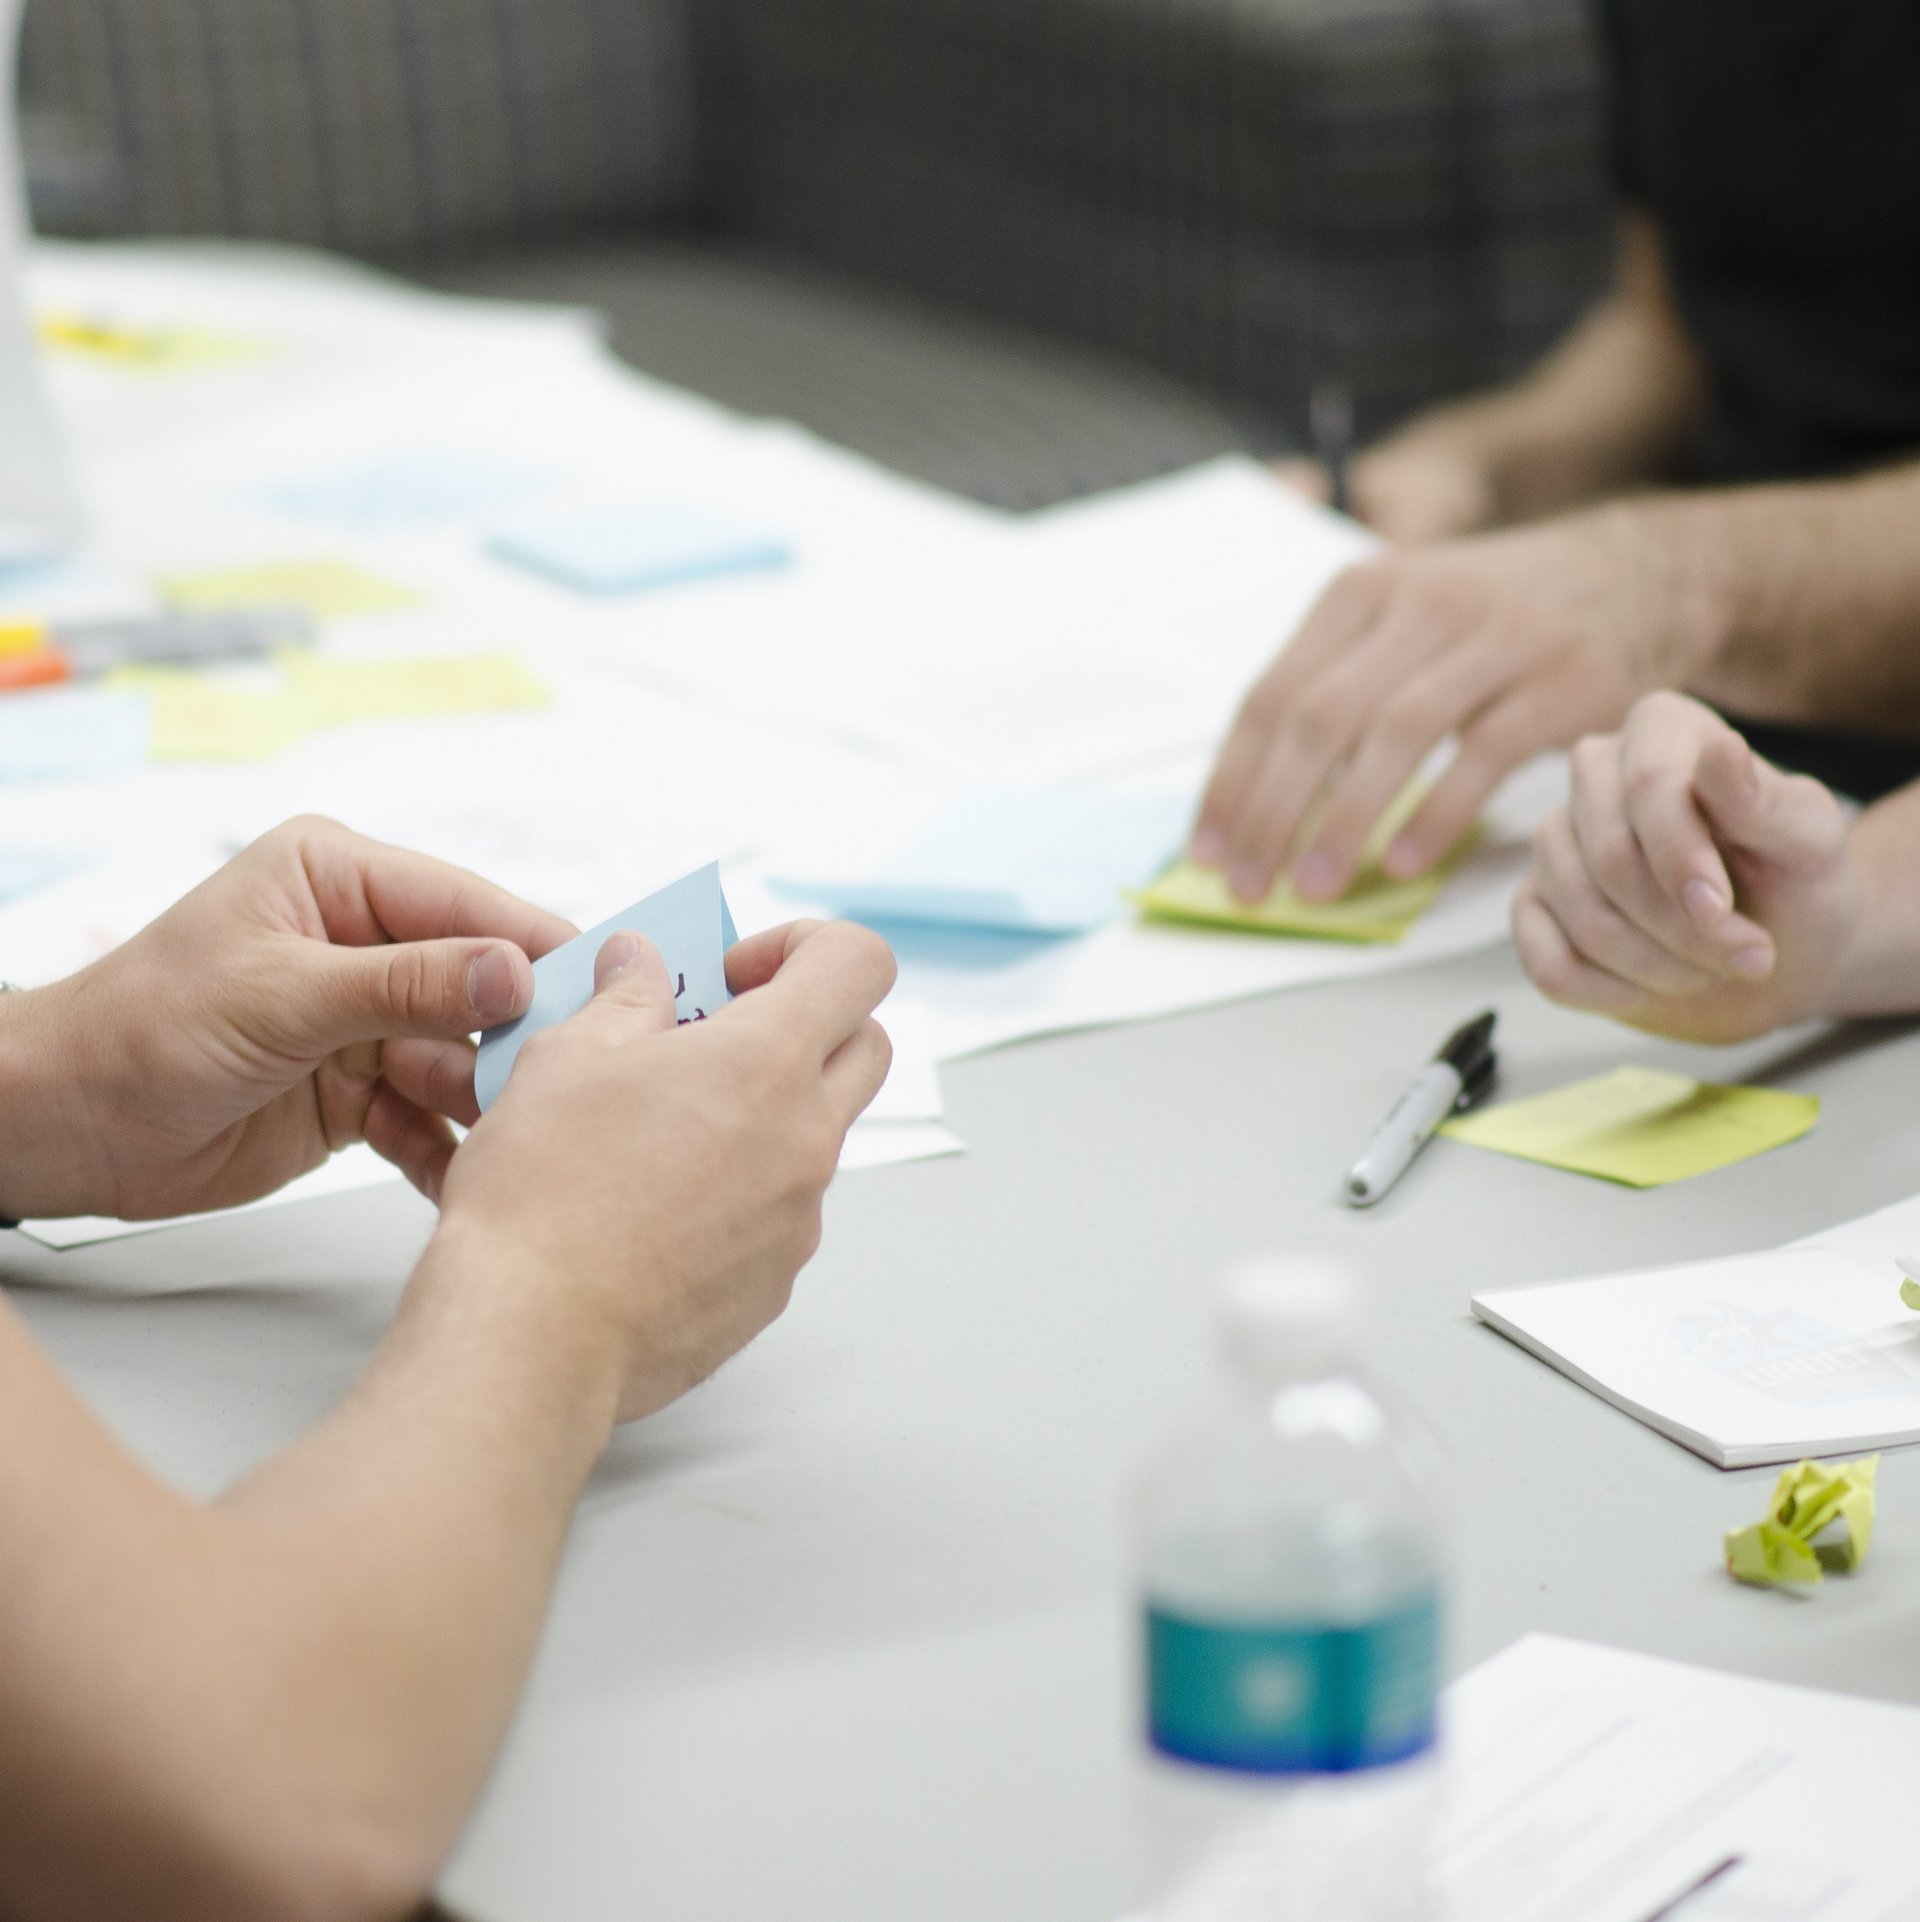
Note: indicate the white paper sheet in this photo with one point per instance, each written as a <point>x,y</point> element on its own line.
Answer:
<point>1587,1784</point>
<point>1801,1351</point>
<point>1119,632</point>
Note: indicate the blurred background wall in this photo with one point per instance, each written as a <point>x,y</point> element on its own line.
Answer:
<point>1023,248</point>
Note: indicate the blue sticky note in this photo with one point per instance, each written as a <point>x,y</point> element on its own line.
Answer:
<point>74,733</point>
<point>407,490</point>
<point>689,922</point>
<point>27,870</point>
<point>1017,860</point>
<point>621,550</point>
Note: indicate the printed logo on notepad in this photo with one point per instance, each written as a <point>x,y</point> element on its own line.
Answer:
<point>1787,1355</point>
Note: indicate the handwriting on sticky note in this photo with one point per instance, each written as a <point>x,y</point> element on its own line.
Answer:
<point>1819,1522</point>
<point>1641,1127</point>
<point>329,590</point>
<point>689,922</point>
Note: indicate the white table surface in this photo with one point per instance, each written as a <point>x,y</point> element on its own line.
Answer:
<point>844,1637</point>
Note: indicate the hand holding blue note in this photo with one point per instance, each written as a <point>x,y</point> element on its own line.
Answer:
<point>688,922</point>
<point>667,1178</point>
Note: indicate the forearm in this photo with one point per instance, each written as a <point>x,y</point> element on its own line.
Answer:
<point>1616,405</point>
<point>1814,598</point>
<point>344,1634</point>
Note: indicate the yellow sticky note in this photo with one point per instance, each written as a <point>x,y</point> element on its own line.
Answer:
<point>1809,1500</point>
<point>1374,908</point>
<point>199,717</point>
<point>328,590</point>
<point>144,349</point>
<point>1641,1126</point>
<point>336,691</point>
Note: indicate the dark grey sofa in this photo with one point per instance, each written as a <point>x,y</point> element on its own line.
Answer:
<point>1169,216</point>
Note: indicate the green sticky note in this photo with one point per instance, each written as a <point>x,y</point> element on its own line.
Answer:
<point>1810,1501</point>
<point>326,589</point>
<point>1641,1126</point>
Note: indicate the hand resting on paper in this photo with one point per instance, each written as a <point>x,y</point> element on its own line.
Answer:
<point>1510,643</point>
<point>1692,889</point>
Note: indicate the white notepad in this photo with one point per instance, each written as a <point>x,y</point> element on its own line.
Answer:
<point>1801,1351</point>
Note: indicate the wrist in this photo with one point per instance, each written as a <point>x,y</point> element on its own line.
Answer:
<point>1870,949</point>
<point>529,1335</point>
<point>46,1145</point>
<point>1685,597</point>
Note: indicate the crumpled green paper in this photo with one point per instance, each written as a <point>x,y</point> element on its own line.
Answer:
<point>1807,1500</point>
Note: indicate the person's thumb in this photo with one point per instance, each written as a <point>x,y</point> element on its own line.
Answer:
<point>430,990</point>
<point>631,983</point>
<point>1753,809</point>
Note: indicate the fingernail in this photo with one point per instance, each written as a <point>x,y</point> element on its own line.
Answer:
<point>491,987</point>
<point>620,953</point>
<point>1402,858</point>
<point>1314,876</point>
<point>1209,847</point>
<point>1751,962</point>
<point>1247,882</point>
<point>1705,902</point>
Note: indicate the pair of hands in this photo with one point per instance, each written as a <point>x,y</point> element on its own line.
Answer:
<point>1511,643</point>
<point>321,989</point>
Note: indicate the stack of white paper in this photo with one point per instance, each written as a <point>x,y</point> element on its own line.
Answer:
<point>1800,1351</point>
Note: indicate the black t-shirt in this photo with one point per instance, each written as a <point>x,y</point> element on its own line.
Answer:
<point>1777,143</point>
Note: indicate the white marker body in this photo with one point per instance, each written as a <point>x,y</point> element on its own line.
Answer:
<point>1403,1134</point>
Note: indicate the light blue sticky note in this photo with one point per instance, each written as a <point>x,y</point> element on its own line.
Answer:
<point>1018,860</point>
<point>407,490</point>
<point>689,922</point>
<point>623,549</point>
<point>74,733</point>
<point>27,870</point>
